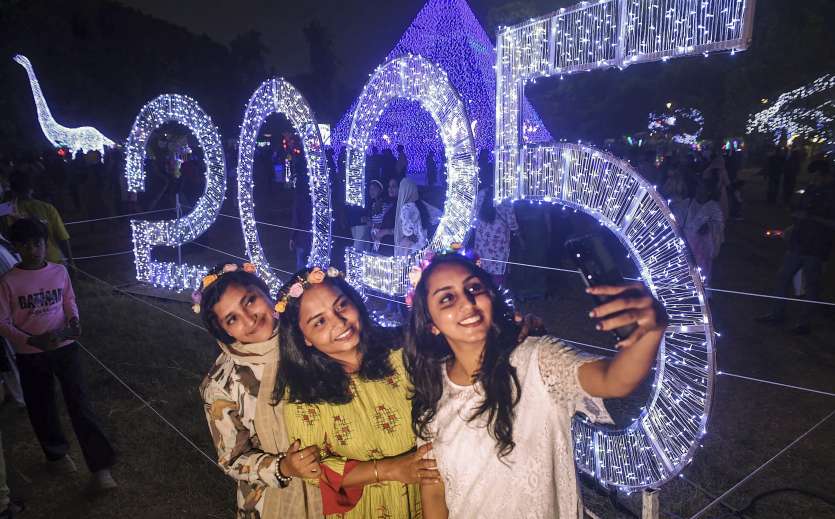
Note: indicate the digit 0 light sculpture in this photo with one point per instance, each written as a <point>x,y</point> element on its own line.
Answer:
<point>149,234</point>
<point>597,35</point>
<point>84,138</point>
<point>278,96</point>
<point>416,79</point>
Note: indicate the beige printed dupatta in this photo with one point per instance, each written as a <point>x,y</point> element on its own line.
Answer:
<point>298,500</point>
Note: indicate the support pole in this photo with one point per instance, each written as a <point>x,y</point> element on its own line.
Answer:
<point>179,214</point>
<point>650,508</point>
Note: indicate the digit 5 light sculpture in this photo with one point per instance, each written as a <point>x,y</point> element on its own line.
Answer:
<point>592,36</point>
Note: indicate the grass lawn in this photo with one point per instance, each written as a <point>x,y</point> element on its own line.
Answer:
<point>163,359</point>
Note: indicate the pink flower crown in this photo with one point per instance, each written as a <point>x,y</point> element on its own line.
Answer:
<point>296,289</point>
<point>211,277</point>
<point>416,272</point>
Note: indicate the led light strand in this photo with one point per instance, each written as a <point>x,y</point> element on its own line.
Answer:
<point>665,122</point>
<point>447,33</point>
<point>148,234</point>
<point>416,79</point>
<point>278,96</point>
<point>816,122</point>
<point>84,138</point>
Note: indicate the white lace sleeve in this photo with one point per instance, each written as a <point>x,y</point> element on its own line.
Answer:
<point>559,365</point>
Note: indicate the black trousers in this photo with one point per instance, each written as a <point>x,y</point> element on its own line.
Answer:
<point>37,377</point>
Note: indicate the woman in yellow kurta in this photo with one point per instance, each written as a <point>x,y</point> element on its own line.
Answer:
<point>347,392</point>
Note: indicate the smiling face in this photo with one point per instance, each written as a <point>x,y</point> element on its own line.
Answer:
<point>245,313</point>
<point>460,305</point>
<point>330,322</point>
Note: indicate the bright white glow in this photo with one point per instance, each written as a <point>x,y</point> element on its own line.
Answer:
<point>618,33</point>
<point>278,96</point>
<point>667,121</point>
<point>84,138</point>
<point>146,234</point>
<point>325,132</point>
<point>415,79</point>
<point>815,122</point>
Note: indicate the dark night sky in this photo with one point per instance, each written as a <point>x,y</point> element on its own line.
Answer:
<point>363,32</point>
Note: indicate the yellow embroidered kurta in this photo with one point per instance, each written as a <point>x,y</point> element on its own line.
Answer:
<point>376,424</point>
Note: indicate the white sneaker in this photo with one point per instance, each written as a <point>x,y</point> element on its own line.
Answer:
<point>62,466</point>
<point>103,481</point>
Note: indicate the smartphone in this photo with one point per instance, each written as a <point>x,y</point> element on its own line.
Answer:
<point>598,267</point>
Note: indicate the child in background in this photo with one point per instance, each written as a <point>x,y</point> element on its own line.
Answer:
<point>39,317</point>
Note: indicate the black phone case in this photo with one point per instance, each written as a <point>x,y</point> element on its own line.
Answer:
<point>597,267</point>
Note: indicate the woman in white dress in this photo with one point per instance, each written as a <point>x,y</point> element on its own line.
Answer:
<point>498,412</point>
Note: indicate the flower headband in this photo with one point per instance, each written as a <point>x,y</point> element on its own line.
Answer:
<point>416,272</point>
<point>296,289</point>
<point>211,277</point>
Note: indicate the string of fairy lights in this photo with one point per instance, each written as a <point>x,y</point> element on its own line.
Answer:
<point>84,139</point>
<point>447,33</point>
<point>278,96</point>
<point>598,35</point>
<point>668,122</point>
<point>788,118</point>
<point>174,108</point>
<point>416,79</point>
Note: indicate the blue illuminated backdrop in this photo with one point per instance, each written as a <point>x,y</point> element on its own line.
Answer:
<point>447,33</point>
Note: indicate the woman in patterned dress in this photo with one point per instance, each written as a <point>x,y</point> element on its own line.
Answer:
<point>494,227</point>
<point>498,412</point>
<point>347,392</point>
<point>247,427</point>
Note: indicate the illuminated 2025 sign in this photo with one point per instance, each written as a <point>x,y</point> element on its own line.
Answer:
<point>587,36</point>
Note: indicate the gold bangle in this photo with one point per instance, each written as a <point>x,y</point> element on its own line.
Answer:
<point>376,474</point>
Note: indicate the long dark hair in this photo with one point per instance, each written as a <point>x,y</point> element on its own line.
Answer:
<point>425,219</point>
<point>487,211</point>
<point>307,375</point>
<point>212,294</point>
<point>428,354</point>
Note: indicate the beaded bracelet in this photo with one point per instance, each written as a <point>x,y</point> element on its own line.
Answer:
<point>283,481</point>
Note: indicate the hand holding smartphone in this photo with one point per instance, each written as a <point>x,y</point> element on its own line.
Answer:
<point>598,268</point>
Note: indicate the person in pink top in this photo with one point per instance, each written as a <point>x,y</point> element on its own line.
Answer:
<point>39,317</point>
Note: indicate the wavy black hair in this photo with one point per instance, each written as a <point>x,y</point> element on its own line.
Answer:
<point>427,354</point>
<point>307,375</point>
<point>212,294</point>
